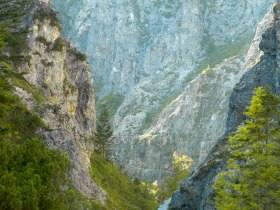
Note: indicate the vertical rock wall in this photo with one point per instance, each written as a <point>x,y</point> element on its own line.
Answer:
<point>65,100</point>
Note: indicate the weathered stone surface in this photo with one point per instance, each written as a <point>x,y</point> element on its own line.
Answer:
<point>196,191</point>
<point>202,106</point>
<point>67,106</point>
<point>148,52</point>
<point>133,41</point>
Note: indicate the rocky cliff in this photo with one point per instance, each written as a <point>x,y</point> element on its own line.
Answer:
<point>196,191</point>
<point>57,87</point>
<point>146,56</point>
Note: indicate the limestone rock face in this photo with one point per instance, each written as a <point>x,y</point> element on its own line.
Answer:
<point>129,42</point>
<point>180,124</point>
<point>149,53</point>
<point>196,191</point>
<point>67,104</point>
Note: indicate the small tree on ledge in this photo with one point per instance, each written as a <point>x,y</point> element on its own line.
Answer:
<point>103,133</point>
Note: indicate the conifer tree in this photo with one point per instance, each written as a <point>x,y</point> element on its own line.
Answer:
<point>252,178</point>
<point>103,134</point>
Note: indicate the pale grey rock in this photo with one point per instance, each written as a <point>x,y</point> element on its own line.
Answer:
<point>202,106</point>
<point>254,53</point>
<point>65,83</point>
<point>133,41</point>
<point>149,51</point>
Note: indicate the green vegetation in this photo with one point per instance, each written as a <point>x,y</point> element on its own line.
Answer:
<point>12,36</point>
<point>43,40</point>
<point>122,192</point>
<point>46,64</point>
<point>31,175</point>
<point>113,100</point>
<point>80,56</point>
<point>14,116</point>
<point>102,136</point>
<point>44,14</point>
<point>151,116</point>
<point>217,54</point>
<point>13,42</point>
<point>19,81</point>
<point>178,171</point>
<point>252,178</point>
<point>207,70</point>
<point>59,44</point>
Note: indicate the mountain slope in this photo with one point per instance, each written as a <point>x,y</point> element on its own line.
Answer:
<point>54,82</point>
<point>196,192</point>
<point>47,121</point>
<point>145,54</point>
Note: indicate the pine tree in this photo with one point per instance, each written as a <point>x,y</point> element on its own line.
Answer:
<point>252,178</point>
<point>103,134</point>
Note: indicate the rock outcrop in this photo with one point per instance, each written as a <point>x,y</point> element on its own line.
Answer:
<point>147,54</point>
<point>196,192</point>
<point>65,97</point>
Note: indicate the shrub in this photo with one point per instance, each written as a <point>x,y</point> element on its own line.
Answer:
<point>43,40</point>
<point>80,56</point>
<point>59,44</point>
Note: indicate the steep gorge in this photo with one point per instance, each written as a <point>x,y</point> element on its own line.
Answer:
<point>176,77</point>
<point>146,57</point>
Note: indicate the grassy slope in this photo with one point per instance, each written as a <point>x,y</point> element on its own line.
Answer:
<point>122,192</point>
<point>113,101</point>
